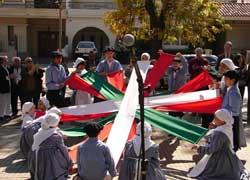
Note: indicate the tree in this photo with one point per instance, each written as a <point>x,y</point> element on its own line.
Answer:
<point>167,20</point>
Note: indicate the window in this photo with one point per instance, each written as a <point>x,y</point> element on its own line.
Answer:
<point>11,35</point>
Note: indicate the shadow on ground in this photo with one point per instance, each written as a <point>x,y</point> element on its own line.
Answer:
<point>14,163</point>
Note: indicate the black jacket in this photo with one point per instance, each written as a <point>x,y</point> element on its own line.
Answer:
<point>4,80</point>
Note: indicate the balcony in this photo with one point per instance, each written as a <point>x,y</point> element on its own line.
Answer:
<point>66,4</point>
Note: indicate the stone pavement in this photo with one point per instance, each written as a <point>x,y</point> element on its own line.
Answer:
<point>176,156</point>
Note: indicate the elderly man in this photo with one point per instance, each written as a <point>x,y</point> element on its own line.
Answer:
<point>5,88</point>
<point>227,53</point>
<point>109,64</point>
<point>31,82</point>
<point>55,77</point>
<point>15,76</point>
<point>197,64</point>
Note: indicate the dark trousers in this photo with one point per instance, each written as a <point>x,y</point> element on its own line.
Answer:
<point>242,91</point>
<point>56,98</point>
<point>236,133</point>
<point>15,93</point>
<point>206,119</point>
<point>176,114</point>
<point>30,96</point>
<point>248,103</point>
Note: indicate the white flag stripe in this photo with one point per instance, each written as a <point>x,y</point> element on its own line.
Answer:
<point>114,106</point>
<point>96,108</point>
<point>181,98</point>
<point>123,121</point>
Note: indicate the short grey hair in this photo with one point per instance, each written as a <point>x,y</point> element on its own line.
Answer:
<point>16,58</point>
<point>198,50</point>
<point>2,58</point>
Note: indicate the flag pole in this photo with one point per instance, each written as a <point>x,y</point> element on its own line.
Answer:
<point>129,41</point>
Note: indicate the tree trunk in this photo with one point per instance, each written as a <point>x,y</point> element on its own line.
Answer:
<point>155,45</point>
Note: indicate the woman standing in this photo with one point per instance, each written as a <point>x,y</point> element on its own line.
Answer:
<point>240,62</point>
<point>80,97</point>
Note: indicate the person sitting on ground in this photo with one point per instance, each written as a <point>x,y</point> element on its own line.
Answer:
<point>42,106</point>
<point>80,97</point>
<point>94,159</point>
<point>132,152</point>
<point>28,113</point>
<point>219,161</point>
<point>49,158</point>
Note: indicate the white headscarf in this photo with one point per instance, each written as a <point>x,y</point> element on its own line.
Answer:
<point>47,129</point>
<point>229,63</point>
<point>147,138</point>
<point>45,102</point>
<point>54,110</point>
<point>226,116</point>
<point>27,107</point>
<point>145,54</point>
<point>77,62</point>
<point>27,118</point>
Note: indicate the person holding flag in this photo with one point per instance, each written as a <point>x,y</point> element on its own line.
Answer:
<point>109,64</point>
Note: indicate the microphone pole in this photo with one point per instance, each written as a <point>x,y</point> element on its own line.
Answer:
<point>129,41</point>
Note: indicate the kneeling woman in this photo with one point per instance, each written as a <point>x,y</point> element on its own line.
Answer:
<point>50,156</point>
<point>132,152</point>
<point>219,162</point>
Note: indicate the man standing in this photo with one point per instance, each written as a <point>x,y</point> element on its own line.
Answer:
<point>55,77</point>
<point>5,88</point>
<point>15,76</point>
<point>30,83</point>
<point>109,64</point>
<point>197,64</point>
<point>227,53</point>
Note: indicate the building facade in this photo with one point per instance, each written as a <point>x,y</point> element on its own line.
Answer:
<point>31,27</point>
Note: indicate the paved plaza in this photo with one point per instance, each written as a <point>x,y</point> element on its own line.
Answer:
<point>176,156</point>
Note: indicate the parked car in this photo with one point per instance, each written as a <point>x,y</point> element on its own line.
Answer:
<point>212,59</point>
<point>84,47</point>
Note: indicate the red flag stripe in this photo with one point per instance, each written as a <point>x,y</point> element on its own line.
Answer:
<point>158,71</point>
<point>201,81</point>
<point>205,106</point>
<point>76,82</point>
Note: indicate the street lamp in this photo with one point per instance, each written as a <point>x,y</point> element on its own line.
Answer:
<point>60,7</point>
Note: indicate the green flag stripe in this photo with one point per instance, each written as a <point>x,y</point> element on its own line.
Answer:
<point>78,131</point>
<point>177,127</point>
<point>101,85</point>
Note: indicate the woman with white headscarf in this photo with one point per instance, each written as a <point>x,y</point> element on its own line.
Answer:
<point>219,161</point>
<point>80,97</point>
<point>129,165</point>
<point>50,159</point>
<point>28,131</point>
<point>28,113</point>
